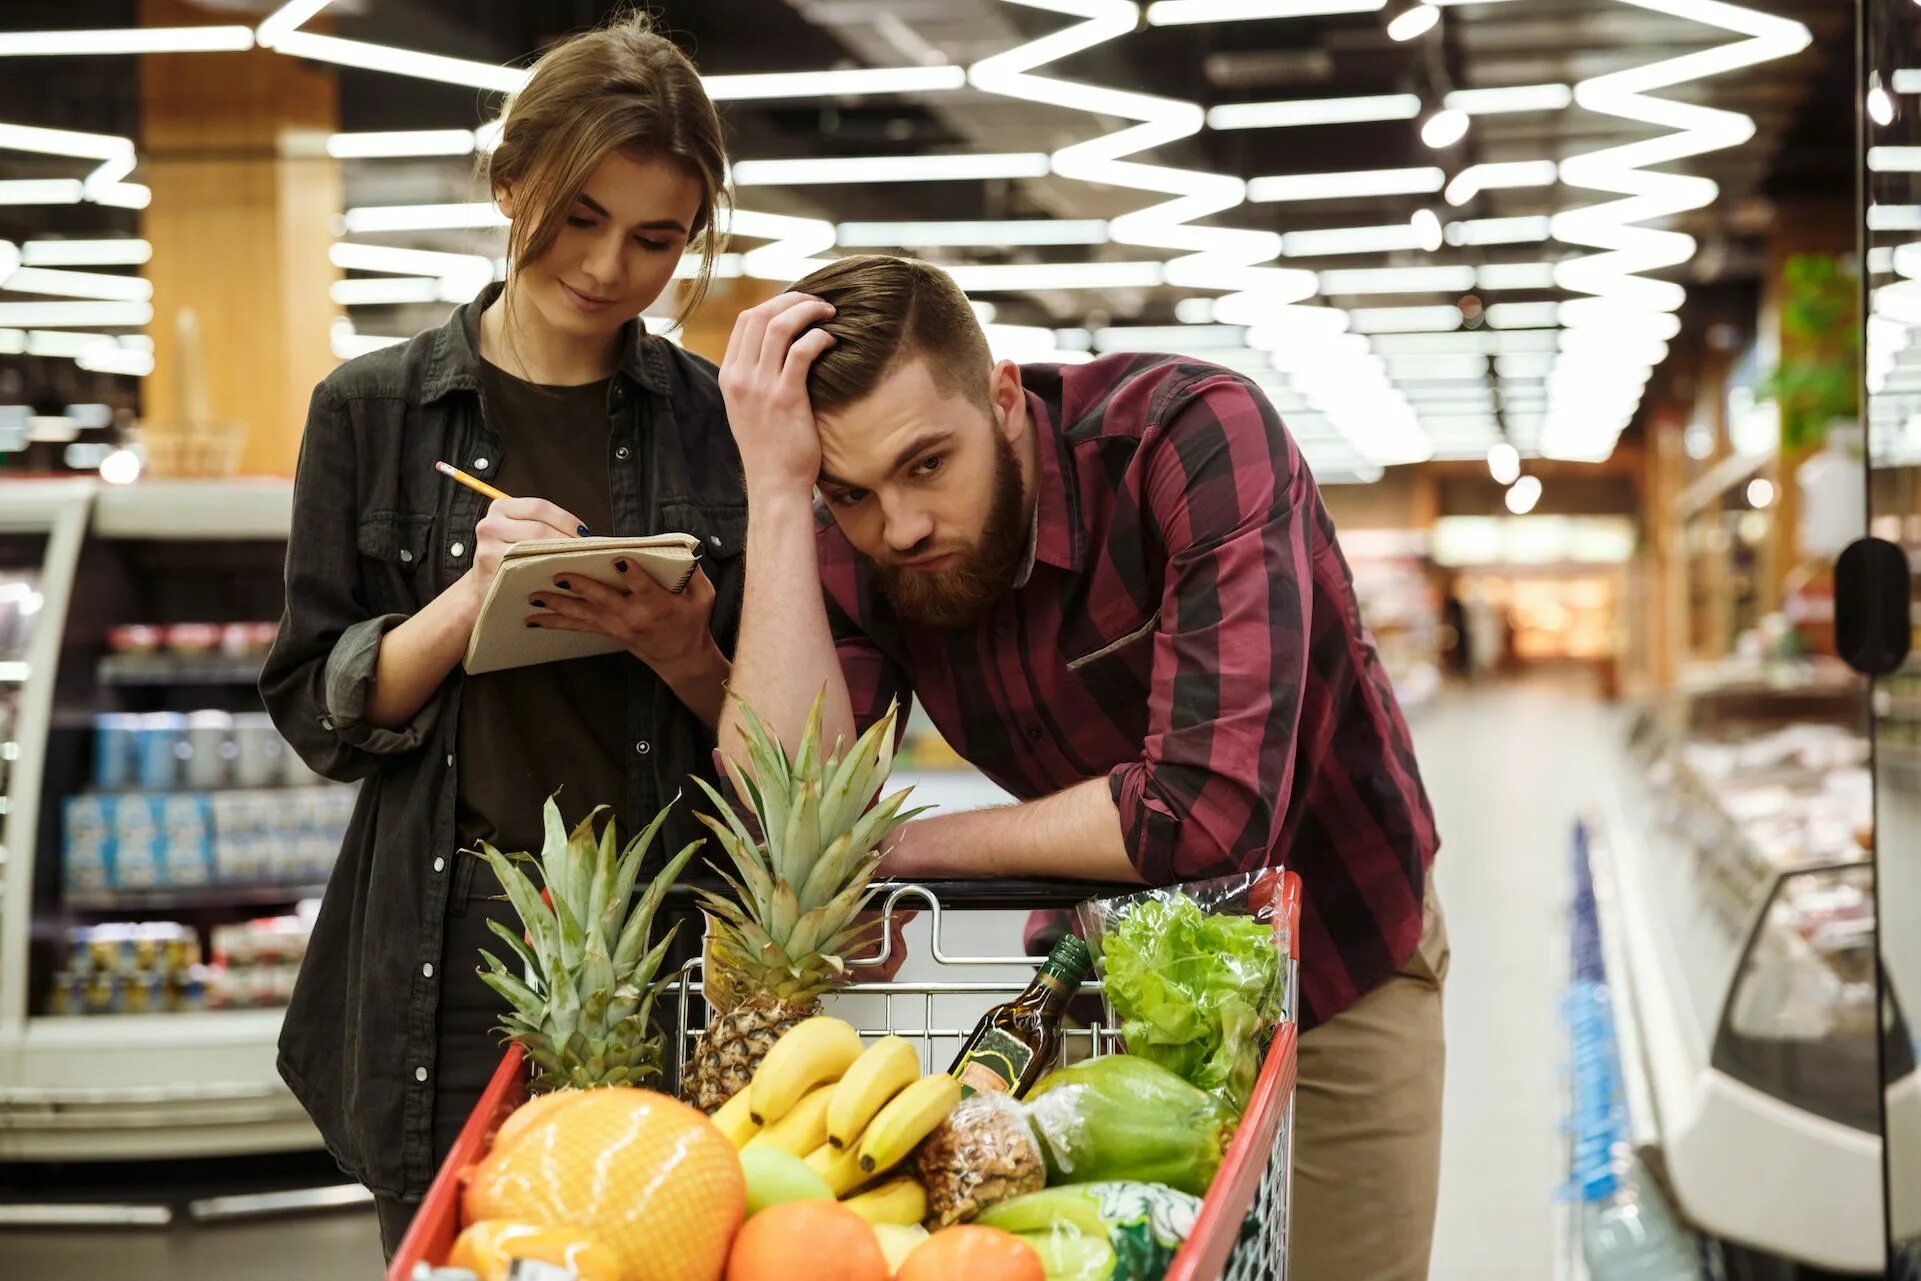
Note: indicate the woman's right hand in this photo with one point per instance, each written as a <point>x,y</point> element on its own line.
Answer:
<point>509,521</point>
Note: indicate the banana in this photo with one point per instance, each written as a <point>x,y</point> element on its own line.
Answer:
<point>897,1242</point>
<point>901,1200</point>
<point>803,1129</point>
<point>814,1052</point>
<point>838,1166</point>
<point>909,1117</point>
<point>734,1120</point>
<point>889,1066</point>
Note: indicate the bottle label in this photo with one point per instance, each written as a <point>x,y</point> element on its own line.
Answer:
<point>994,1064</point>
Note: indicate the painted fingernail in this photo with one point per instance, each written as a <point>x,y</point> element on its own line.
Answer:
<point>582,529</point>
<point>563,584</point>
<point>620,567</point>
<point>537,603</point>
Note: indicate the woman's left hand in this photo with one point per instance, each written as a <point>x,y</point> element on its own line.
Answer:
<point>668,631</point>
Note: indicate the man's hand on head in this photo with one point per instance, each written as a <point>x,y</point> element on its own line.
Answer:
<point>763,379</point>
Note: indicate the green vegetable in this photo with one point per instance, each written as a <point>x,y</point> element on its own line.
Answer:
<point>1124,1117</point>
<point>1197,993</point>
<point>1100,1231</point>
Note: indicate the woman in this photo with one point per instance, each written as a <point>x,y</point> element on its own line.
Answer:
<point>610,166</point>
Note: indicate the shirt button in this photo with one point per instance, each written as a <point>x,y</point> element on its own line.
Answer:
<point>480,464</point>
<point>623,453</point>
<point>427,970</point>
<point>1033,733</point>
<point>458,550</point>
<point>440,865</point>
<point>643,747</point>
<point>450,760</point>
<point>326,722</point>
<point>420,1074</point>
<point>406,556</point>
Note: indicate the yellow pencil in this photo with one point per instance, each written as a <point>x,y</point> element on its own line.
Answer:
<point>474,483</point>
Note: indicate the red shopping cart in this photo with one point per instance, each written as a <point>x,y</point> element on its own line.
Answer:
<point>1240,1233</point>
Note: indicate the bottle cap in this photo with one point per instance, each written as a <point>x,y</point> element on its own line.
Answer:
<point>1069,959</point>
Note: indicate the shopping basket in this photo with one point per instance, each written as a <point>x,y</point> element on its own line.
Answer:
<point>1240,1233</point>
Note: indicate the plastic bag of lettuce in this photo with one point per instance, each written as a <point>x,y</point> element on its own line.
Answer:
<point>1193,976</point>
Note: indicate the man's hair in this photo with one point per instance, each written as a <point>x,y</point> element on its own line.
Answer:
<point>887,312</point>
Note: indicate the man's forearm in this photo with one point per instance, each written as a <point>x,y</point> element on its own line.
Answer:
<point>1073,834</point>
<point>785,655</point>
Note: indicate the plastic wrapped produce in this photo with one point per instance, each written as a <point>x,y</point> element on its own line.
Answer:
<point>1125,1117</point>
<point>1116,1231</point>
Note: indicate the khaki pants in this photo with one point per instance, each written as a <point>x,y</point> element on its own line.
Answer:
<point>1367,1128</point>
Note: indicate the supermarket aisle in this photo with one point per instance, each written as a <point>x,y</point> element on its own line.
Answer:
<point>1507,767</point>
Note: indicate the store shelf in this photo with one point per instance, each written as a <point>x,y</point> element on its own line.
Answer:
<point>129,669</point>
<point>225,509</point>
<point>191,896</point>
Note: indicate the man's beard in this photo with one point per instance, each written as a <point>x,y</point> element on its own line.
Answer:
<point>962,595</point>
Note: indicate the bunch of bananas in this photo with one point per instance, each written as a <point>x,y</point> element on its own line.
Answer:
<point>852,1111</point>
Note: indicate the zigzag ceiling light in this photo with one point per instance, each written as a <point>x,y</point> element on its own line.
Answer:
<point>1597,382</point>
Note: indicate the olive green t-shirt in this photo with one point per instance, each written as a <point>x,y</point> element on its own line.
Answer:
<point>528,731</point>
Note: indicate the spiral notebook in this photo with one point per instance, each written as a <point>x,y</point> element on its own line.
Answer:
<point>502,639</point>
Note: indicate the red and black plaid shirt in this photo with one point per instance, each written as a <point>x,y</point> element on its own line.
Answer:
<point>1188,628</point>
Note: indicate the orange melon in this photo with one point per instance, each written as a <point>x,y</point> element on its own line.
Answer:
<point>807,1241</point>
<point>645,1175</point>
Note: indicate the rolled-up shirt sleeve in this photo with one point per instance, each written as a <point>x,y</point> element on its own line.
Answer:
<point>1225,490</point>
<point>318,676</point>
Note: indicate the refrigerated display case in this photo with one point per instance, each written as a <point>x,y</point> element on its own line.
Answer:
<point>1735,896</point>
<point>159,841</point>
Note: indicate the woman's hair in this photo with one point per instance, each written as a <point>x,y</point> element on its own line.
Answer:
<point>887,312</point>
<point>622,85</point>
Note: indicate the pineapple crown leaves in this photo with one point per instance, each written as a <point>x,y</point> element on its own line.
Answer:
<point>796,892</point>
<point>583,1007</point>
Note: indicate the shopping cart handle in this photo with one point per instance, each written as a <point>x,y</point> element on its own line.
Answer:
<point>983,895</point>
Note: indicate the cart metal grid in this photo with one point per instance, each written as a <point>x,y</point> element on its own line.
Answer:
<point>1240,1233</point>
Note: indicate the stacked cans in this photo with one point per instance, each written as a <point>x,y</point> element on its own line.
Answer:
<point>175,840</point>
<point>200,751</point>
<point>153,967</point>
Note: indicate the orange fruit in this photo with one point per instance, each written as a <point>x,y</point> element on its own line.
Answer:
<point>972,1253</point>
<point>807,1241</point>
<point>644,1175</point>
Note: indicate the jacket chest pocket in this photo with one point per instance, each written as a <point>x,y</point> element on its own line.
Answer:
<point>1119,671</point>
<point>722,531</point>
<point>394,570</point>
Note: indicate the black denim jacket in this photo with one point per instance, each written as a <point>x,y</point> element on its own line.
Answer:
<point>377,533</point>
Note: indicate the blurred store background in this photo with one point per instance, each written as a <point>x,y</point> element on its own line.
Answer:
<point>1564,300</point>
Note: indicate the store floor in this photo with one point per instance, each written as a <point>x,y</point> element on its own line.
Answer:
<point>1508,767</point>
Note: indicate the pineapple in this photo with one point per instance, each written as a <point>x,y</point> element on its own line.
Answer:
<point>583,1011</point>
<point>784,938</point>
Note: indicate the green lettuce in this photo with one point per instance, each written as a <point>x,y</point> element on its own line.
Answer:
<point>1198,994</point>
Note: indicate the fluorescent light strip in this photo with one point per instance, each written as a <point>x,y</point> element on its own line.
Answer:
<point>1523,315</point>
<point>1500,231</point>
<point>67,142</point>
<point>1894,159</point>
<point>871,169</point>
<point>35,44</point>
<point>827,84</point>
<point>1404,320</point>
<point>1487,102</point>
<point>389,291</point>
<point>1350,240</point>
<point>288,17</point>
<point>1333,186</point>
<point>81,315</point>
<point>41,191</point>
<point>1894,217</point>
<point>409,262</point>
<point>1397,280</point>
<point>457,217</point>
<point>1437,368</point>
<point>1516,275</point>
<point>1504,175</point>
<point>363,56</point>
<point>1314,111</point>
<point>401,142</point>
<point>1176,13</point>
<point>1019,277</point>
<point>1210,257</point>
<point>1022,231</point>
<point>78,284</point>
<point>129,252</point>
<point>1170,338</point>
